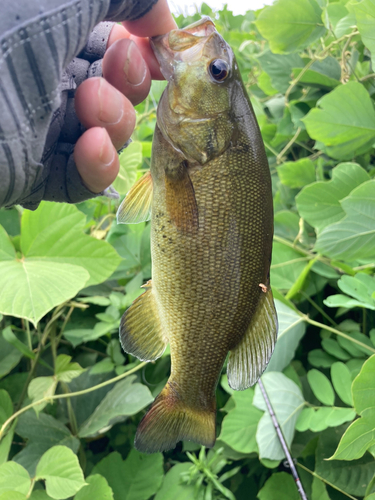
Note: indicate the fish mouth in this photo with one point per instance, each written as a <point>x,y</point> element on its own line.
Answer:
<point>170,48</point>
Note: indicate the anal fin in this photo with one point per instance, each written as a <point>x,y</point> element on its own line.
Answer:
<point>250,357</point>
<point>136,206</point>
<point>140,331</point>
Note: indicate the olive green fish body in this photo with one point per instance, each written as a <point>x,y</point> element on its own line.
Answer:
<point>211,240</point>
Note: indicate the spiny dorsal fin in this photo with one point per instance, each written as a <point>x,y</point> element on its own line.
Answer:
<point>136,206</point>
<point>180,198</point>
<point>249,359</point>
<point>140,331</point>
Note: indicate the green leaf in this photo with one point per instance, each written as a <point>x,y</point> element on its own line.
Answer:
<point>31,288</point>
<point>287,402</point>
<point>354,236</point>
<point>136,478</point>
<point>41,434</point>
<point>12,495</point>
<point>125,399</point>
<point>173,488</point>
<point>287,264</point>
<point>9,356</point>
<point>12,339</point>
<point>13,477</point>
<point>297,174</point>
<point>321,387</point>
<point>365,16</point>
<point>363,387</point>
<point>279,68</point>
<point>66,371</point>
<point>342,382</point>
<point>97,489</point>
<point>318,490</point>
<point>318,419</point>
<point>130,159</point>
<point>6,411</point>
<point>344,121</point>
<point>291,329</point>
<point>358,438</point>
<point>333,347</point>
<point>320,359</point>
<point>54,232</point>
<point>361,287</point>
<point>326,74</point>
<point>239,426</point>
<point>281,486</point>
<point>352,477</point>
<point>60,469</point>
<point>40,388</point>
<point>319,203</point>
<point>7,250</point>
<point>289,26</point>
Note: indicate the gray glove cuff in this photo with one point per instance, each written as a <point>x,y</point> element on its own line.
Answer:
<point>129,10</point>
<point>97,43</point>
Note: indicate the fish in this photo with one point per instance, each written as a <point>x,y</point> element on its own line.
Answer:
<point>208,194</point>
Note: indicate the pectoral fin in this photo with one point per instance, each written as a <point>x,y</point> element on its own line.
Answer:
<point>249,358</point>
<point>140,331</point>
<point>180,198</point>
<point>136,206</point>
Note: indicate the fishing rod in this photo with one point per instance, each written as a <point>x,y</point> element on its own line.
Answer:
<point>283,442</point>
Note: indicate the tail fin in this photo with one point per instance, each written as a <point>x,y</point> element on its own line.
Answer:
<point>169,421</point>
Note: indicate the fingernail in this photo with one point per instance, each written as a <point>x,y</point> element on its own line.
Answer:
<point>107,151</point>
<point>111,107</point>
<point>135,68</point>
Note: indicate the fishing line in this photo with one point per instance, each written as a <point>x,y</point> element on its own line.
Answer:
<point>283,443</point>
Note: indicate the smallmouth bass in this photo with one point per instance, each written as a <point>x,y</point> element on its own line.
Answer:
<point>210,200</point>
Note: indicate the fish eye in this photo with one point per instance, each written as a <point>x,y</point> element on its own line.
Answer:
<point>219,69</point>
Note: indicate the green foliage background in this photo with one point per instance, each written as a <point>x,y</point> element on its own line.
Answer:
<point>70,400</point>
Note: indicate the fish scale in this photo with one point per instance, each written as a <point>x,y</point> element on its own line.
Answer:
<point>211,240</point>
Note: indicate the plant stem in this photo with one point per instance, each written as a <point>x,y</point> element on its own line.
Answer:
<point>288,146</point>
<point>325,481</point>
<point>70,395</point>
<point>337,332</point>
<point>318,308</point>
<point>282,440</point>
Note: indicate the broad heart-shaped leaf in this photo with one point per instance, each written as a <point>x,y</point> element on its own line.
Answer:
<point>319,203</point>
<point>358,438</point>
<point>344,121</point>
<point>60,468</point>
<point>281,486</point>
<point>239,426</point>
<point>289,25</point>
<point>137,478</point>
<point>291,329</point>
<point>365,16</point>
<point>353,237</point>
<point>40,388</point>
<point>96,489</point>
<point>287,264</point>
<point>7,250</point>
<point>126,398</point>
<point>297,174</point>
<point>352,477</point>
<point>363,387</point>
<point>321,387</point>
<point>31,288</point>
<point>173,488</point>
<point>13,477</point>
<point>13,495</point>
<point>279,68</point>
<point>9,356</point>
<point>42,433</point>
<point>54,232</point>
<point>287,402</point>
<point>129,159</point>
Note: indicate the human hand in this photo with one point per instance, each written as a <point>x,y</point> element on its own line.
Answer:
<point>105,105</point>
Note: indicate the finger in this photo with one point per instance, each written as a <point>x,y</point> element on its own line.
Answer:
<point>99,104</point>
<point>157,21</point>
<point>125,68</point>
<point>96,159</point>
